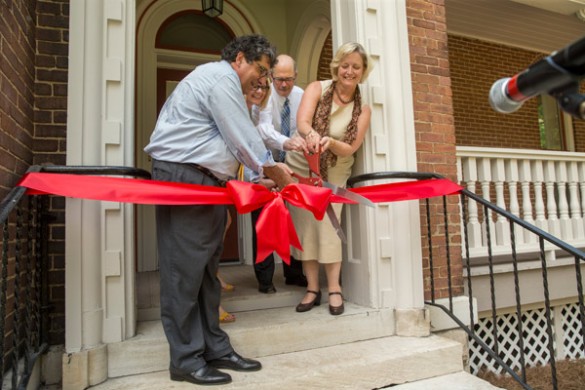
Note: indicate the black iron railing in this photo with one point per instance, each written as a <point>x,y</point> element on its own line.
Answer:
<point>491,343</point>
<point>24,302</point>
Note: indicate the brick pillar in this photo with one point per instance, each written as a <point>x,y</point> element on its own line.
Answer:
<point>435,131</point>
<point>50,115</point>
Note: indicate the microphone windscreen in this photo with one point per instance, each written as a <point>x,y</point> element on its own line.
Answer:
<point>499,99</point>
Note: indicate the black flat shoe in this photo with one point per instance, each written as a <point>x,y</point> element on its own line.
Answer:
<point>336,310</point>
<point>233,361</point>
<point>206,375</point>
<point>302,307</point>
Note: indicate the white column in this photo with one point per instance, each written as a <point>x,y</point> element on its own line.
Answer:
<point>99,236</point>
<point>391,249</point>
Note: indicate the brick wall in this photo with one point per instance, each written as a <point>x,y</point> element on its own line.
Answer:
<point>475,66</point>
<point>52,18</point>
<point>17,48</point>
<point>435,132</point>
<point>17,73</point>
<point>33,83</point>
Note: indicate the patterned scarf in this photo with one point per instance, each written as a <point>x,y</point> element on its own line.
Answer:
<point>321,120</point>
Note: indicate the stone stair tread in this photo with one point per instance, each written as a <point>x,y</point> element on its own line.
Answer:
<point>457,381</point>
<point>257,334</point>
<point>367,364</point>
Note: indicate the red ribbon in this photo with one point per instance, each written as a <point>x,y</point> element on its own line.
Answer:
<point>275,229</point>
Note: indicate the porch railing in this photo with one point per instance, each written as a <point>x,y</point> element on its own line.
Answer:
<point>544,188</point>
<point>23,275</point>
<point>505,343</point>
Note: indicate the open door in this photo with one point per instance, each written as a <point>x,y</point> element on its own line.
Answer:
<point>171,55</point>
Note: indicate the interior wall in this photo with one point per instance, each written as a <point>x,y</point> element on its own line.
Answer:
<point>273,18</point>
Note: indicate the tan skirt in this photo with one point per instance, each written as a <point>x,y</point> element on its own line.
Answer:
<point>318,238</point>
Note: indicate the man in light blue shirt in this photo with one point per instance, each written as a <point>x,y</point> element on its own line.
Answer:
<point>202,135</point>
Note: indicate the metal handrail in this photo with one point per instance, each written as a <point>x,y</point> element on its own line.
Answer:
<point>513,220</point>
<point>32,343</point>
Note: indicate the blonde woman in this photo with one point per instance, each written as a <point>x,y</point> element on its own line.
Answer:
<point>332,119</point>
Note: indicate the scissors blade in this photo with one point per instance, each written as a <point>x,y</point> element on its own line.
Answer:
<point>335,223</point>
<point>344,193</point>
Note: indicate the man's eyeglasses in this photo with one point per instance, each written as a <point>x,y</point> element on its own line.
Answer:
<point>263,71</point>
<point>284,79</point>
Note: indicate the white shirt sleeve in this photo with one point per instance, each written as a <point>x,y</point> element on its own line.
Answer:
<point>272,138</point>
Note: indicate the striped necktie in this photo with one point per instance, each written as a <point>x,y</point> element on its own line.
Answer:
<point>285,124</point>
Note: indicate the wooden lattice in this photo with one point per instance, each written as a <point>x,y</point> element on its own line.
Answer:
<point>535,342</point>
<point>573,343</point>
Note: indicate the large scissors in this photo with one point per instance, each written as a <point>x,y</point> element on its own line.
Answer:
<point>315,179</point>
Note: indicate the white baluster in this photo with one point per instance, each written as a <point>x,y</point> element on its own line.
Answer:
<point>484,176</point>
<point>525,181</point>
<point>512,176</point>
<point>581,171</point>
<point>554,225</point>
<point>574,206</point>
<point>537,180</point>
<point>561,172</point>
<point>502,227</point>
<point>469,169</point>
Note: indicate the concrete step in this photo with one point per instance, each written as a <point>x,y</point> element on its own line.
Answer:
<point>368,364</point>
<point>258,333</point>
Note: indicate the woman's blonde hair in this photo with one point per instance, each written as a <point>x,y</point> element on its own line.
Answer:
<point>346,49</point>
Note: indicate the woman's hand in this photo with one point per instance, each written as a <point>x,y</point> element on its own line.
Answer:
<point>313,141</point>
<point>296,143</point>
<point>326,143</point>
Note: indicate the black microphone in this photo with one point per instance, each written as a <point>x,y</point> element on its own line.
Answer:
<point>556,75</point>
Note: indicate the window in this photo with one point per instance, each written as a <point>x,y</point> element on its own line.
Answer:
<point>550,124</point>
<point>185,31</point>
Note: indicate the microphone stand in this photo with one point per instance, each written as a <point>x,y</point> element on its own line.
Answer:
<point>570,100</point>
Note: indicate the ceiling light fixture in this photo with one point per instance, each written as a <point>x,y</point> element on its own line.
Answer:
<point>212,8</point>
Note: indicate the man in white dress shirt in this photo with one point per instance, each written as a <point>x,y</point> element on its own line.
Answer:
<point>278,120</point>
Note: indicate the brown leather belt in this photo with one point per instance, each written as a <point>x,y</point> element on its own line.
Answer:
<point>209,174</point>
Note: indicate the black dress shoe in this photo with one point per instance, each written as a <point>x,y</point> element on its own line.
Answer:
<point>267,289</point>
<point>303,307</point>
<point>233,361</point>
<point>206,375</point>
<point>336,310</point>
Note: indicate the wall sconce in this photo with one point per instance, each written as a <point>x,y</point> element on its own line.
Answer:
<point>212,8</point>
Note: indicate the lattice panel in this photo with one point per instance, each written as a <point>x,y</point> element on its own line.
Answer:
<point>573,332</point>
<point>535,342</point>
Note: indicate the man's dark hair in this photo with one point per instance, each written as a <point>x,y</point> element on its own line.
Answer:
<point>253,46</point>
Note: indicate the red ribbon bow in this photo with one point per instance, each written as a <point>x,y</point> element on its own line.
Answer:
<point>275,229</point>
